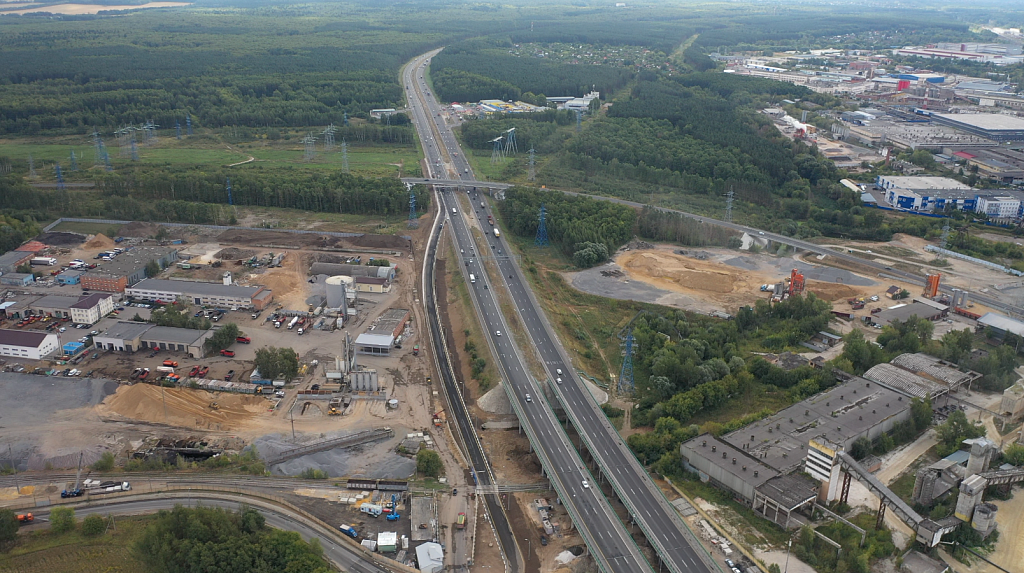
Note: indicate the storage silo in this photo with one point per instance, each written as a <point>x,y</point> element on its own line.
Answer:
<point>336,287</point>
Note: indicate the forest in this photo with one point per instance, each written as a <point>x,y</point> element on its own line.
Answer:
<point>193,196</point>
<point>212,539</point>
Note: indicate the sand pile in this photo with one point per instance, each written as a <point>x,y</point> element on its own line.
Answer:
<point>184,407</point>
<point>833,291</point>
<point>684,273</point>
<point>99,241</point>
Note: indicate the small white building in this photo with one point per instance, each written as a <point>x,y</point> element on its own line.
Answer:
<point>387,542</point>
<point>430,557</point>
<point>998,206</point>
<point>89,310</point>
<point>28,345</point>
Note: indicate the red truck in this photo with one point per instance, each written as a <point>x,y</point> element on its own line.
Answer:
<point>170,363</point>
<point>244,340</point>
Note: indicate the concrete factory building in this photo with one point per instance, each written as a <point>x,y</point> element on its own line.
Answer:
<point>90,309</point>
<point>27,345</point>
<point>209,294</point>
<point>920,376</point>
<point>374,344</point>
<point>127,268</point>
<point>994,126</point>
<point>133,336</point>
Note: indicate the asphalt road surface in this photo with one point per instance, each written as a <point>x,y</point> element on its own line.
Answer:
<point>597,522</point>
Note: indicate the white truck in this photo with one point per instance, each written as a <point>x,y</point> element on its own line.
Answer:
<point>294,321</point>
<point>165,369</point>
<point>43,261</point>
<point>95,486</point>
<point>497,233</point>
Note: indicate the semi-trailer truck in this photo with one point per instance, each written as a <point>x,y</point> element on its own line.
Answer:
<point>294,321</point>
<point>43,261</point>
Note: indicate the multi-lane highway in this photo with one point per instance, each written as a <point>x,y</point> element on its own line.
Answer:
<point>610,543</point>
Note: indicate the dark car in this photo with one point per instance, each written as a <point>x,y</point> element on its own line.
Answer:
<point>229,376</point>
<point>544,541</point>
<point>315,387</point>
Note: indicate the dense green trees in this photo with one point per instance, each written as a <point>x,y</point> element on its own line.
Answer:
<point>955,430</point>
<point>62,519</point>
<point>571,221</point>
<point>222,338</point>
<point>174,315</point>
<point>186,540</point>
<point>428,463</point>
<point>15,228</point>
<point>8,526</point>
<point>276,363</point>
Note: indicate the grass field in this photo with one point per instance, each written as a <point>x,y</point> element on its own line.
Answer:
<point>207,152</point>
<point>44,552</point>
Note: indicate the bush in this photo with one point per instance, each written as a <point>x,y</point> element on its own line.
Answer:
<point>93,525</point>
<point>428,463</point>
<point>62,520</point>
<point>313,473</point>
<point>8,525</point>
<point>105,463</point>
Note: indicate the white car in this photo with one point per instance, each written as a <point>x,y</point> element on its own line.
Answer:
<point>279,394</point>
<point>558,380</point>
<point>558,371</point>
<point>62,329</point>
<point>586,484</point>
<point>497,333</point>
<point>874,298</point>
<point>529,398</point>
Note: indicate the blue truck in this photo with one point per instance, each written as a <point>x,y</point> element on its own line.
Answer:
<point>349,531</point>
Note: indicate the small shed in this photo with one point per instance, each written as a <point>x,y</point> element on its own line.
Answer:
<point>17,279</point>
<point>70,277</point>
<point>72,348</point>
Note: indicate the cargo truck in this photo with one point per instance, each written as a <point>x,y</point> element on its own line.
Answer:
<point>293,322</point>
<point>165,369</point>
<point>348,530</point>
<point>497,233</point>
<point>460,523</point>
<point>43,261</point>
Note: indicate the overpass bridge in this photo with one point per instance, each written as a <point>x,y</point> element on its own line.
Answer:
<point>456,183</point>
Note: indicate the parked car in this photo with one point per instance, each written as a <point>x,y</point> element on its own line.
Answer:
<point>228,353</point>
<point>229,375</point>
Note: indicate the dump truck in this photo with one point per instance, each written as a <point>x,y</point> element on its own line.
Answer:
<point>334,407</point>
<point>460,523</point>
<point>25,518</point>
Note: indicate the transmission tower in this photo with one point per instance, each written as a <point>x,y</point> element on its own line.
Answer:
<point>228,186</point>
<point>310,142</point>
<point>106,157</point>
<point>98,152</point>
<point>74,162</point>
<point>177,129</point>
<point>32,168</point>
<point>122,142</point>
<point>60,178</point>
<point>944,241</point>
<point>150,132</point>
<point>413,219</point>
<point>626,375</point>
<point>510,142</point>
<point>728,205</point>
<point>328,138</point>
<point>542,229</point>
<point>579,120</point>
<point>344,156</point>
<point>497,154</point>
<point>345,119</point>
<point>188,124</point>
<point>135,149</point>
<point>532,174</point>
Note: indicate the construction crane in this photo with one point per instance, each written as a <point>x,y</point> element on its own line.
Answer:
<point>76,491</point>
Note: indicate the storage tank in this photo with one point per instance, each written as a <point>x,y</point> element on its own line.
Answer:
<point>337,287</point>
<point>984,518</point>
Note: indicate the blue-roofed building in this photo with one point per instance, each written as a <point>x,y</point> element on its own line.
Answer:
<point>73,348</point>
<point>70,277</point>
<point>959,457</point>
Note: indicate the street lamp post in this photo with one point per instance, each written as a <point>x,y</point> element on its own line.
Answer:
<point>789,546</point>
<point>529,546</point>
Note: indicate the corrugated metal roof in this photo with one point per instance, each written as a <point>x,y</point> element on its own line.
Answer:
<point>1002,323</point>
<point>907,382</point>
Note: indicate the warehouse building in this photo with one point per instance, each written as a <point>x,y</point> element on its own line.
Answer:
<point>124,336</point>
<point>918,375</point>
<point>903,312</point>
<point>374,344</point>
<point>133,336</point>
<point>17,279</point>
<point>127,268</point>
<point>202,293</point>
<point>994,126</point>
<point>926,193</point>
<point>52,305</point>
<point>70,277</point>
<point>90,309</point>
<point>27,345</point>
<point>1000,324</point>
<point>1004,165</point>
<point>9,262</point>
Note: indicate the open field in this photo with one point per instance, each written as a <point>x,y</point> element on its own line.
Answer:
<point>73,552</point>
<point>370,161</point>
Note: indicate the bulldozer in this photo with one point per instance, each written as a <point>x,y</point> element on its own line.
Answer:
<point>214,406</point>
<point>334,407</point>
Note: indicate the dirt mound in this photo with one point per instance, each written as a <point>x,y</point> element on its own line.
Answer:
<point>832,291</point>
<point>57,239</point>
<point>379,241</point>
<point>246,237</point>
<point>184,407</point>
<point>99,241</point>
<point>232,253</point>
<point>139,229</point>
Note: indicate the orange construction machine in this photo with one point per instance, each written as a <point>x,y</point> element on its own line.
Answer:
<point>796,282</point>
<point>931,286</point>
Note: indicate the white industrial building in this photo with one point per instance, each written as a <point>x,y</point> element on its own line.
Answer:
<point>430,557</point>
<point>28,345</point>
<point>374,344</point>
<point>387,542</point>
<point>211,294</point>
<point>90,309</point>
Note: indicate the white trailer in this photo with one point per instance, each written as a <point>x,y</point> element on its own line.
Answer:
<point>294,321</point>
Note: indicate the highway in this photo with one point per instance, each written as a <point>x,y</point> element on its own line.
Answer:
<point>345,557</point>
<point>605,535</point>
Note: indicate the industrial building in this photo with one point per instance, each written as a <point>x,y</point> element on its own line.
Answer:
<point>430,557</point>
<point>926,193</point>
<point>27,345</point>
<point>1001,324</point>
<point>17,279</point>
<point>1012,404</point>
<point>70,277</point>
<point>127,268</point>
<point>903,312</point>
<point>1003,165</point>
<point>392,322</point>
<point>374,344</point>
<point>203,293</point>
<point>994,126</point>
<point>921,376</point>
<point>90,309</point>
<point>9,262</point>
<point>133,336</point>
<point>340,290</point>
<point>334,269</point>
<point>372,285</point>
